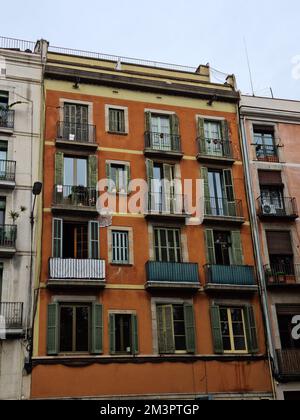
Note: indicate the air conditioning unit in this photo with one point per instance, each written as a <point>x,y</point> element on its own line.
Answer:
<point>269,209</point>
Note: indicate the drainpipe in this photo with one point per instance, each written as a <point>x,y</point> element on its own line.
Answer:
<point>257,251</point>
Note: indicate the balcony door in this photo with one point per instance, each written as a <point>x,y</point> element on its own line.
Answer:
<point>75,180</point>
<point>217,192</point>
<point>76,122</point>
<point>167,245</point>
<point>272,200</point>
<point>161,132</point>
<point>213,138</point>
<point>281,254</point>
<point>162,187</point>
<point>3,160</point>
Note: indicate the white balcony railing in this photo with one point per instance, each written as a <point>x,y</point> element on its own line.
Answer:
<point>73,269</point>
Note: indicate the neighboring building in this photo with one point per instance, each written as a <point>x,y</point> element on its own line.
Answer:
<point>271,129</point>
<point>20,142</point>
<point>150,306</point>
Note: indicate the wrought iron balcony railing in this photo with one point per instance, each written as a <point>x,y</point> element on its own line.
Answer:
<point>8,236</point>
<point>235,275</point>
<point>215,148</point>
<point>222,208</point>
<point>282,274</point>
<point>80,133</point>
<point>289,363</point>
<point>7,118</point>
<point>163,142</point>
<point>7,170</point>
<point>167,204</point>
<point>77,269</point>
<point>75,196</point>
<point>267,153</point>
<point>281,208</point>
<point>12,315</point>
<point>173,273</point>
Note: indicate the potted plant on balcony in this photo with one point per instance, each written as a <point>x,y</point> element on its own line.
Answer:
<point>269,276</point>
<point>80,195</point>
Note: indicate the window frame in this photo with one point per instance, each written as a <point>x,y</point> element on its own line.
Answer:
<point>108,108</point>
<point>231,333</point>
<point>123,249</point>
<point>175,248</point>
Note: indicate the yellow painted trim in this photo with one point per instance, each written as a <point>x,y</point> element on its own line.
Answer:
<point>115,150</point>
<point>47,210</point>
<point>49,143</point>
<point>186,157</point>
<point>131,215</point>
<point>124,287</point>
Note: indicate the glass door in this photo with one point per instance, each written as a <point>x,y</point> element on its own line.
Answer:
<point>217,195</point>
<point>161,133</point>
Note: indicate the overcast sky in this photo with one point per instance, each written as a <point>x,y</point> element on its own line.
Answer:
<point>184,32</point>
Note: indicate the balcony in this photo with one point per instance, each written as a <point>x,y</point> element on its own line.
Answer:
<point>163,145</point>
<point>76,273</point>
<point>266,153</point>
<point>167,207</point>
<point>287,275</point>
<point>8,237</point>
<point>70,135</point>
<point>289,364</point>
<point>11,319</point>
<point>77,199</point>
<point>210,150</point>
<point>284,209</point>
<point>221,277</point>
<point>7,121</point>
<point>7,174</point>
<point>164,275</point>
<point>218,210</point>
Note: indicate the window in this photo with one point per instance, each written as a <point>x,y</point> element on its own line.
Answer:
<point>1,280</point>
<point>224,248</point>
<point>4,96</point>
<point>281,254</point>
<point>120,244</point>
<point>264,139</point>
<point>167,245</point>
<point>75,171</point>
<point>3,151</point>
<point>123,330</point>
<point>161,132</point>
<point>234,329</point>
<point>2,210</point>
<point>119,176</point>
<point>76,122</point>
<point>117,120</point>
<point>162,187</point>
<point>176,328</point>
<point>272,201</point>
<point>285,329</point>
<point>213,137</point>
<point>74,329</point>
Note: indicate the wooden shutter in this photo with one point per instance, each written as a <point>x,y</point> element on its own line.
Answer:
<point>149,169</point>
<point>97,329</point>
<point>59,168</point>
<point>229,190</point>
<point>279,243</point>
<point>93,171</point>
<point>216,329</point>
<point>128,176</point>
<point>53,329</point>
<point>210,246</point>
<point>168,199</point>
<point>112,333</point>
<point>201,135</point>
<point>174,122</point>
<point>148,122</point>
<point>207,203</point>
<point>270,178</point>
<point>225,130</point>
<point>94,242</point>
<point>251,331</point>
<point>108,176</point>
<point>189,321</point>
<point>166,342</point>
<point>237,248</point>
<point>135,339</point>
<point>57,238</point>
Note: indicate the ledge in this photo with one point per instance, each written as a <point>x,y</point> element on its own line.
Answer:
<point>7,185</point>
<point>66,283</point>
<point>215,159</point>
<point>7,252</point>
<point>163,154</point>
<point>173,285</point>
<point>224,219</point>
<point>231,288</point>
<point>75,144</point>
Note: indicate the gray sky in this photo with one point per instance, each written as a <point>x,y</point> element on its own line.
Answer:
<point>189,33</point>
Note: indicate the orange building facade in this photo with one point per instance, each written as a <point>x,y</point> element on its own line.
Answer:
<point>149,305</point>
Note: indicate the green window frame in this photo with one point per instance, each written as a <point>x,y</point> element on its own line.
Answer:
<point>167,245</point>
<point>120,247</point>
<point>117,120</point>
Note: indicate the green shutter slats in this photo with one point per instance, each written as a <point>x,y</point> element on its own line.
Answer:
<point>148,122</point>
<point>160,330</point>
<point>135,339</point>
<point>210,246</point>
<point>201,135</point>
<point>169,329</point>
<point>57,238</point>
<point>207,203</point>
<point>189,321</point>
<point>112,334</point>
<point>229,190</point>
<point>251,331</point>
<point>225,130</point>
<point>59,168</point>
<point>97,329</point>
<point>94,240</point>
<point>128,176</point>
<point>52,329</point>
<point>108,175</point>
<point>175,129</point>
<point>92,171</point>
<point>237,248</point>
<point>216,329</point>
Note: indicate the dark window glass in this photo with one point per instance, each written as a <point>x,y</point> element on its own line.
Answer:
<point>179,327</point>
<point>66,329</point>
<point>285,330</point>
<point>233,330</point>
<point>117,120</point>
<point>82,329</point>
<point>74,329</point>
<point>123,334</point>
<point>222,248</point>
<point>75,241</point>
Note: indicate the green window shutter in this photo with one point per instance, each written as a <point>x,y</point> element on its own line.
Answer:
<point>189,321</point>
<point>162,347</point>
<point>207,203</point>
<point>201,134</point>
<point>149,168</point>
<point>94,240</point>
<point>112,334</point>
<point>210,246</point>
<point>237,248</point>
<point>128,175</point>
<point>165,327</point>
<point>148,122</point>
<point>93,171</point>
<point>108,175</point>
<point>225,130</point>
<point>135,338</point>
<point>174,121</point>
<point>251,331</point>
<point>112,123</point>
<point>229,190</point>
<point>57,238</point>
<point>59,168</point>
<point>52,329</point>
<point>97,329</point>
<point>216,329</point>
<point>168,200</point>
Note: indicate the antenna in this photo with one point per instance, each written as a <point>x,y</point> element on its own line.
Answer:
<point>249,67</point>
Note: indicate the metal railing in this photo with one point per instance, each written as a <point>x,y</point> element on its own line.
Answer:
<point>16,44</point>
<point>12,315</point>
<point>221,207</point>
<point>266,153</point>
<point>215,148</point>
<point>8,236</point>
<point>75,196</point>
<point>81,133</point>
<point>283,207</point>
<point>289,362</point>
<point>173,204</point>
<point>162,142</point>
<point>76,269</point>
<point>237,275</point>
<point>284,273</point>
<point>7,170</point>
<point>7,118</point>
<point>172,272</point>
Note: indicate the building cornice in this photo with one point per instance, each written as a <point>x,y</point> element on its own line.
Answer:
<point>269,114</point>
